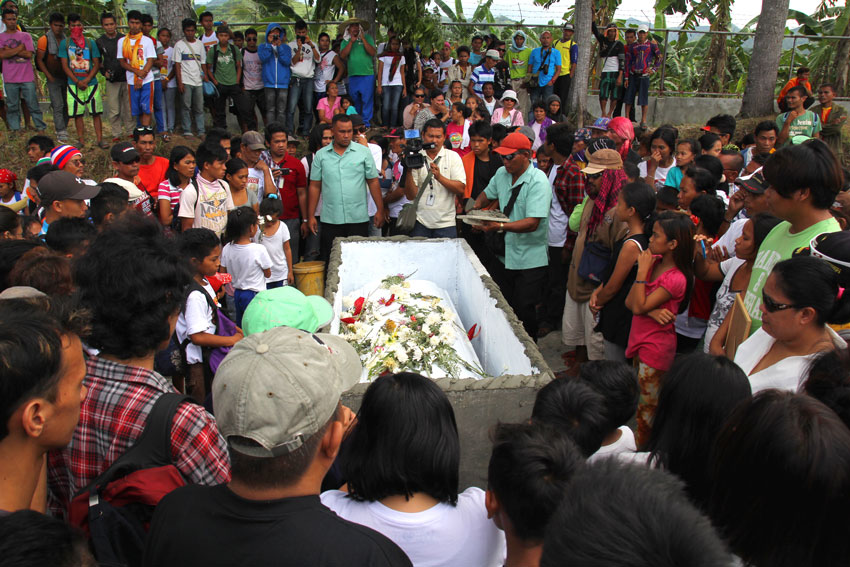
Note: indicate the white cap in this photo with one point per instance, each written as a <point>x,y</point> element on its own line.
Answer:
<point>643,28</point>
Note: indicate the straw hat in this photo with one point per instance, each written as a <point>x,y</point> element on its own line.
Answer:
<point>364,25</point>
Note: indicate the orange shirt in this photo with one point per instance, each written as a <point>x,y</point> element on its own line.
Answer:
<point>789,85</point>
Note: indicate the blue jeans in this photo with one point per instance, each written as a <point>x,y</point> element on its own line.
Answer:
<point>170,108</point>
<point>158,107</point>
<point>241,299</point>
<point>15,92</point>
<point>421,230</point>
<point>389,101</point>
<point>276,105</point>
<point>193,105</point>
<point>300,96</point>
<point>361,89</point>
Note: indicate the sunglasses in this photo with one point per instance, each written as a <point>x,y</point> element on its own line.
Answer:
<point>250,39</point>
<point>592,175</point>
<point>361,129</point>
<point>419,96</point>
<point>772,306</point>
<point>144,129</point>
<point>509,157</point>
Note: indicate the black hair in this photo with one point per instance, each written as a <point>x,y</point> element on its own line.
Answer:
<point>642,197</point>
<point>208,154</point>
<point>106,16</point>
<point>829,86</point>
<point>499,131</point>
<point>678,226</point>
<point>55,17</point>
<point>163,29</point>
<point>197,243</point>
<point>252,31</point>
<point>188,23</point>
<point>10,252</point>
<point>481,129</point>
<point>435,93</point>
<point>134,15</point>
<point>112,198</point>
<point>707,141</point>
<point>314,141</point>
<point>712,164</point>
<point>234,165</point>
<point>530,468</point>
<point>44,143</point>
<point>693,145</point>
<point>617,383</point>
<point>222,29</point>
<point>239,222</point>
<point>178,153</point>
<point>463,49</point>
<point>631,170</point>
<point>811,282</point>
<point>45,270</point>
<point>206,14</point>
<point>765,126</point>
<point>9,220</point>
<point>696,397</point>
<point>538,104</point>
<point>709,209</point>
<point>132,280</point>
<point>30,538</point>
<point>603,143</point>
<point>748,140</point>
<point>829,381</point>
<point>9,11</point>
<point>215,136</point>
<point>405,441</point>
<point>574,408</point>
<point>31,333</point>
<point>800,90</point>
<point>341,118</point>
<point>667,135</point>
<point>763,223</point>
<point>802,71</point>
<point>462,108</point>
<point>724,122</point>
<point>67,234</point>
<point>273,128</point>
<point>704,180</point>
<point>560,135</point>
<point>811,166</point>
<point>147,19</point>
<point>616,515</point>
<point>321,35</point>
<point>235,145</point>
<point>271,205</point>
<point>781,484</point>
<point>760,159</point>
<point>434,123</point>
<point>737,158</point>
<point>238,34</point>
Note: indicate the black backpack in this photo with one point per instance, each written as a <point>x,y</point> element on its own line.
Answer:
<point>117,507</point>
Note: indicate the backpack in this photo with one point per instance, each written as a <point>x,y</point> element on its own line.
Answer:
<point>115,510</point>
<point>231,49</point>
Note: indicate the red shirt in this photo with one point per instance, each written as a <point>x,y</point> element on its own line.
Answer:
<point>152,175</point>
<point>297,177</point>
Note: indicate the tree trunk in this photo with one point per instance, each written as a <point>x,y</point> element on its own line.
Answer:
<point>170,14</point>
<point>764,63</point>
<point>581,70</point>
<point>714,78</point>
<point>367,10</point>
<point>842,62</point>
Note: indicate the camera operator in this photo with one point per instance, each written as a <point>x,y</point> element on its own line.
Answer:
<point>435,215</point>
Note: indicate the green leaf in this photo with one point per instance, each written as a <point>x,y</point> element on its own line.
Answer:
<point>446,10</point>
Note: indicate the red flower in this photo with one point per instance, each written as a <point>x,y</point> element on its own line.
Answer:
<point>348,320</point>
<point>358,305</point>
<point>390,300</point>
<point>413,318</point>
<point>474,331</point>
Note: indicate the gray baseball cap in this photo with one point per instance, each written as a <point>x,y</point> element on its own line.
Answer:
<point>280,387</point>
<point>253,140</point>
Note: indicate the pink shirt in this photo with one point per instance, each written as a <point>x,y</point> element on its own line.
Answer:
<point>329,111</point>
<point>168,192</point>
<point>17,69</point>
<point>653,343</point>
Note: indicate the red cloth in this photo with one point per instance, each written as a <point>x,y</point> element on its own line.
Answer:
<point>112,418</point>
<point>150,176</point>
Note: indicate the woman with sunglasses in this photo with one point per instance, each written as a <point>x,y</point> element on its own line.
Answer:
<point>412,109</point>
<point>800,298</point>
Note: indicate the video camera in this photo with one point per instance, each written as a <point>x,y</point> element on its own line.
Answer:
<point>411,156</point>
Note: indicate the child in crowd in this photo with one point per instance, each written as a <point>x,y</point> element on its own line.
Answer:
<point>11,227</point>
<point>710,144</point>
<point>636,208</point>
<point>539,124</point>
<point>178,176</point>
<point>686,152</point>
<point>663,287</point>
<point>274,235</point>
<point>204,203</point>
<point>248,262</point>
<point>292,148</point>
<point>197,322</point>
<point>667,199</point>
<point>108,205</point>
<point>236,175</point>
<point>9,195</point>
<point>575,409</point>
<point>346,105</point>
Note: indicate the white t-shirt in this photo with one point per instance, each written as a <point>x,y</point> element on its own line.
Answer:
<point>209,209</point>
<point>190,57</point>
<point>444,535</point>
<point>395,80</point>
<point>725,298</point>
<point>660,172</point>
<point>274,246</point>
<point>558,219</point>
<point>787,374</point>
<point>490,106</point>
<point>169,53</point>
<point>256,184</point>
<point>303,69</point>
<point>625,444</point>
<point>209,39</point>
<point>197,317</point>
<point>378,157</point>
<point>611,65</point>
<point>535,127</point>
<point>252,70</point>
<point>730,236</point>
<point>437,205</point>
<point>246,262</point>
<point>149,52</point>
<point>325,72</point>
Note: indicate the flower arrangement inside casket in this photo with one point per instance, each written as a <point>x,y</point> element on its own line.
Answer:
<point>401,324</point>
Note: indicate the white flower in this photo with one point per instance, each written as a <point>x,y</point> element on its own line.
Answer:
<point>348,301</point>
<point>433,319</point>
<point>447,329</point>
<point>434,341</point>
<point>417,353</point>
<point>426,329</point>
<point>401,356</point>
<point>448,314</point>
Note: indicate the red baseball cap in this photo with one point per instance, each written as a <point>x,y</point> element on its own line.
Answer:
<point>513,142</point>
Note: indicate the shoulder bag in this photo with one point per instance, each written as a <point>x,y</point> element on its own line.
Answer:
<point>407,216</point>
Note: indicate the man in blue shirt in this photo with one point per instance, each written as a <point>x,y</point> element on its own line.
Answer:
<point>546,62</point>
<point>341,174</point>
<point>521,271</point>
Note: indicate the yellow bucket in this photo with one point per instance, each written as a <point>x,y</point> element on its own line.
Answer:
<point>310,277</point>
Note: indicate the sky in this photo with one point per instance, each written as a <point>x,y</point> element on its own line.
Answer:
<point>742,11</point>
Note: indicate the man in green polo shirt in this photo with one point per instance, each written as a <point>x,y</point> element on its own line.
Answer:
<point>521,272</point>
<point>358,49</point>
<point>342,173</point>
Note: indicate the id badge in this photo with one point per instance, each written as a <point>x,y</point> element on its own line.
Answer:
<point>430,200</point>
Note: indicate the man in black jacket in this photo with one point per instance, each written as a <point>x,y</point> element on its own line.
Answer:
<point>116,102</point>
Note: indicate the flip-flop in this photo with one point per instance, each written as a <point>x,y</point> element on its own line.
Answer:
<point>103,145</point>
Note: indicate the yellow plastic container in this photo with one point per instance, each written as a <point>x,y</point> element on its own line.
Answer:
<point>310,277</point>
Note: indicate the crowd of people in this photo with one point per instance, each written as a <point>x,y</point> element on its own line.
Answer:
<point>168,396</point>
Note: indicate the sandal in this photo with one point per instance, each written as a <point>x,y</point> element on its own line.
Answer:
<point>166,137</point>
<point>103,145</point>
